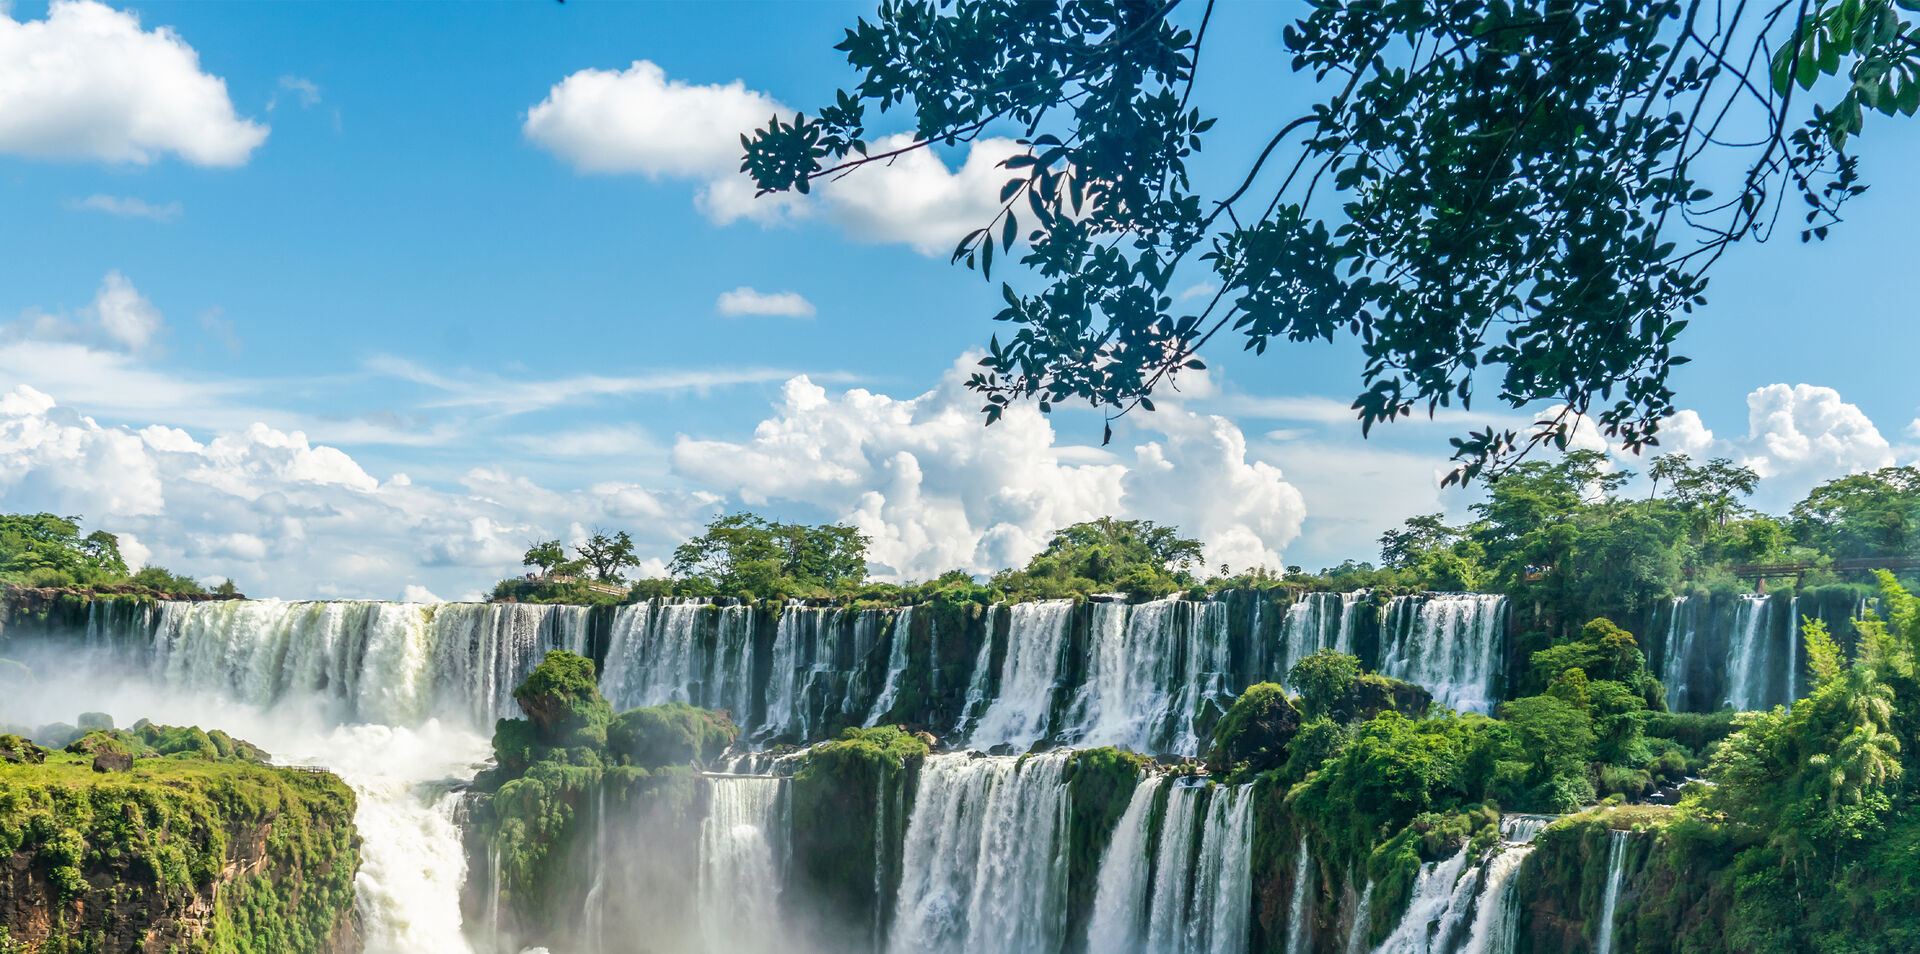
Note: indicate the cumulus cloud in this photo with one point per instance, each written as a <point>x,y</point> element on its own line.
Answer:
<point>747,301</point>
<point>129,208</point>
<point>286,517</point>
<point>88,83</point>
<point>1797,436</point>
<point>640,121</point>
<point>936,490</point>
<point>119,318</point>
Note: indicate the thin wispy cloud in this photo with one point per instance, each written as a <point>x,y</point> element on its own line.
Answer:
<point>748,301</point>
<point>128,207</point>
<point>509,396</point>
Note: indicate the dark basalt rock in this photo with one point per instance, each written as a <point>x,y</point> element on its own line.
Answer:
<point>110,760</point>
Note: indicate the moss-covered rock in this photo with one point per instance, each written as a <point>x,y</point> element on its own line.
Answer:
<point>187,853</point>
<point>671,734</point>
<point>851,799</point>
<point>1254,734</point>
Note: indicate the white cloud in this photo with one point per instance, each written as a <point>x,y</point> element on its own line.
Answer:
<point>129,207</point>
<point>1198,290</point>
<point>478,389</point>
<point>88,83</point>
<point>936,490</point>
<point>915,199</point>
<point>1913,429</point>
<point>638,120</point>
<point>287,517</point>
<point>1797,436</point>
<point>119,318</point>
<point>306,90</point>
<point>747,301</point>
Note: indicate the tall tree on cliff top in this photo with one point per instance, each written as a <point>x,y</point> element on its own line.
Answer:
<point>1522,194</point>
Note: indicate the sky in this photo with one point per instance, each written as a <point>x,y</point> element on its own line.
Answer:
<point>360,299</point>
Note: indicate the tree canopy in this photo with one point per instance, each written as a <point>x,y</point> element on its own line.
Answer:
<point>1526,196</point>
<point>745,554</point>
<point>44,549</point>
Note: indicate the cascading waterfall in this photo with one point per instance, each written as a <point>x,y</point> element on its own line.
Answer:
<point>1120,899</point>
<point>1497,909</point>
<point>1747,653</point>
<point>1362,922</point>
<point>1153,667</point>
<point>1201,890</point>
<point>1442,892</point>
<point>1297,920</point>
<point>1682,628</point>
<point>1616,871</point>
<point>392,663</point>
<point>741,843</point>
<point>1794,662</point>
<point>677,650</point>
<point>1317,621</point>
<point>985,868</point>
<point>896,664</point>
<point>1451,643</point>
<point>1029,677</point>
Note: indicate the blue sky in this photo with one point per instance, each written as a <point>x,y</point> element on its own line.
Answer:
<point>262,258</point>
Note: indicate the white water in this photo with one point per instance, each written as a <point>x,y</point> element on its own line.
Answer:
<point>1120,899</point>
<point>985,868</point>
<point>1794,663</point>
<point>1520,829</point>
<point>1451,643</point>
<point>1029,676</point>
<point>739,878</point>
<point>1616,871</point>
<point>1152,668</point>
<point>1201,894</point>
<point>1682,628</point>
<point>1317,621</point>
<point>1297,920</point>
<point>1747,653</point>
<point>1496,918</point>
<point>681,651</point>
<point>1431,912</point>
<point>896,664</point>
<point>1362,922</point>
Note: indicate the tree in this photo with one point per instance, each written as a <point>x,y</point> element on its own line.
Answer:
<point>545,555</point>
<point>1527,195</point>
<point>1127,542</point>
<point>742,553</point>
<point>1713,490</point>
<point>607,554</point>
<point>1863,515</point>
<point>1323,679</point>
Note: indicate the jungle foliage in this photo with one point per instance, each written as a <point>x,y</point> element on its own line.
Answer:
<point>47,550</point>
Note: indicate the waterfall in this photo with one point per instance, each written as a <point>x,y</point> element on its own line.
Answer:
<point>896,664</point>
<point>1747,653</point>
<point>1317,621</point>
<point>1616,871</point>
<point>1152,669</point>
<point>1682,627</point>
<point>1120,899</point>
<point>593,916</point>
<point>1201,893</point>
<point>741,842</point>
<point>1029,675</point>
<point>976,688</point>
<point>1794,662</point>
<point>1496,918</point>
<point>985,868</point>
<point>675,650</point>
<point>1457,909</point>
<point>1520,829</point>
<point>1297,926</point>
<point>1451,643</point>
<point>1433,910</point>
<point>1362,922</point>
<point>393,663</point>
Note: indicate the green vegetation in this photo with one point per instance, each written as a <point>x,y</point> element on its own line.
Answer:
<point>846,794</point>
<point>45,550</point>
<point>1136,557</point>
<point>189,819</point>
<point>570,759</point>
<point>744,555</point>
